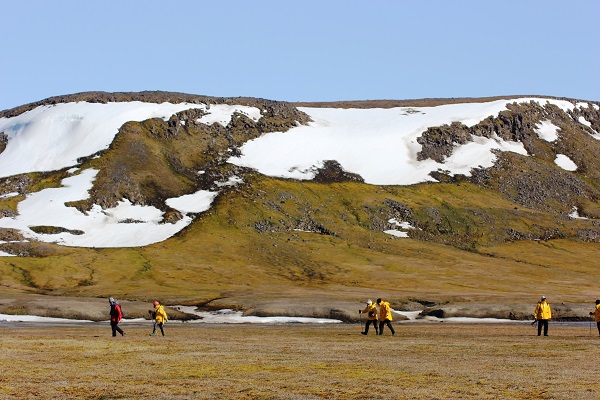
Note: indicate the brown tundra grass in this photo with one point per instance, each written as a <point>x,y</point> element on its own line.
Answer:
<point>423,361</point>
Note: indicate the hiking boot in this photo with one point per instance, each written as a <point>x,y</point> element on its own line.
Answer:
<point>363,333</point>
<point>152,334</point>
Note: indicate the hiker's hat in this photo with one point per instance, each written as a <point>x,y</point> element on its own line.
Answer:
<point>369,302</point>
<point>543,297</point>
<point>155,303</point>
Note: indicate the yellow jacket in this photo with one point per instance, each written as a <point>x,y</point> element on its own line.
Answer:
<point>597,313</point>
<point>371,311</point>
<point>542,310</point>
<point>161,315</point>
<point>385,312</point>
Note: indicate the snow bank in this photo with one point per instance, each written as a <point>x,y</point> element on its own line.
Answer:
<point>33,318</point>
<point>236,317</point>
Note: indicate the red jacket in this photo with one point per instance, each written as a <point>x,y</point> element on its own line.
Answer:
<point>115,312</point>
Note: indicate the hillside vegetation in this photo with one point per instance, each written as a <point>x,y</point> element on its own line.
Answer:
<point>274,246</point>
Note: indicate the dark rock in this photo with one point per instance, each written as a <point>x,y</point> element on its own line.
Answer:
<point>332,172</point>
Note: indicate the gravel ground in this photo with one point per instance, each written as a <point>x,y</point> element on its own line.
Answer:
<point>199,361</point>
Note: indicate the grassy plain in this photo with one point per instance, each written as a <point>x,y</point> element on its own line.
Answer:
<point>423,361</point>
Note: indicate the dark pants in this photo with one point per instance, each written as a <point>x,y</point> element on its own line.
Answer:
<point>544,323</point>
<point>369,322</point>
<point>598,325</point>
<point>160,325</point>
<point>389,324</point>
<point>115,328</point>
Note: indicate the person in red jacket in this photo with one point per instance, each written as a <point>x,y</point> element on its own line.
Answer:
<point>116,315</point>
<point>596,315</point>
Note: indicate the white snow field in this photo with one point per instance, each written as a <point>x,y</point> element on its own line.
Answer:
<point>378,144</point>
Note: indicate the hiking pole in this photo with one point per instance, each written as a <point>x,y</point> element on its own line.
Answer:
<point>361,323</point>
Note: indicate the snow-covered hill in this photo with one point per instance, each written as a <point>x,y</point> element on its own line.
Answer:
<point>378,144</point>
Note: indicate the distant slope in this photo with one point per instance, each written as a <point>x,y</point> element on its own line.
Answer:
<point>477,197</point>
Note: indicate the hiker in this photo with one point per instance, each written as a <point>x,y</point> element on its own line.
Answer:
<point>371,311</point>
<point>542,314</point>
<point>596,314</point>
<point>160,317</point>
<point>385,316</point>
<point>116,315</point>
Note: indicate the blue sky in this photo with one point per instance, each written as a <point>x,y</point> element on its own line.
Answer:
<point>308,50</point>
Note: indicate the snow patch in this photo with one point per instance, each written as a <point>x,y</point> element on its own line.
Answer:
<point>413,316</point>
<point>400,224</point>
<point>222,114</point>
<point>193,203</point>
<point>565,162</point>
<point>232,181</point>
<point>584,121</point>
<point>547,131</point>
<point>562,104</point>
<point>396,233</point>
<point>575,214</point>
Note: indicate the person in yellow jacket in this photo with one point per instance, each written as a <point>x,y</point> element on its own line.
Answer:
<point>542,314</point>
<point>371,311</point>
<point>596,314</point>
<point>385,316</point>
<point>160,317</point>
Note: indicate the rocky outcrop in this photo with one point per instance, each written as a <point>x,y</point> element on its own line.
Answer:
<point>3,141</point>
<point>332,172</point>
